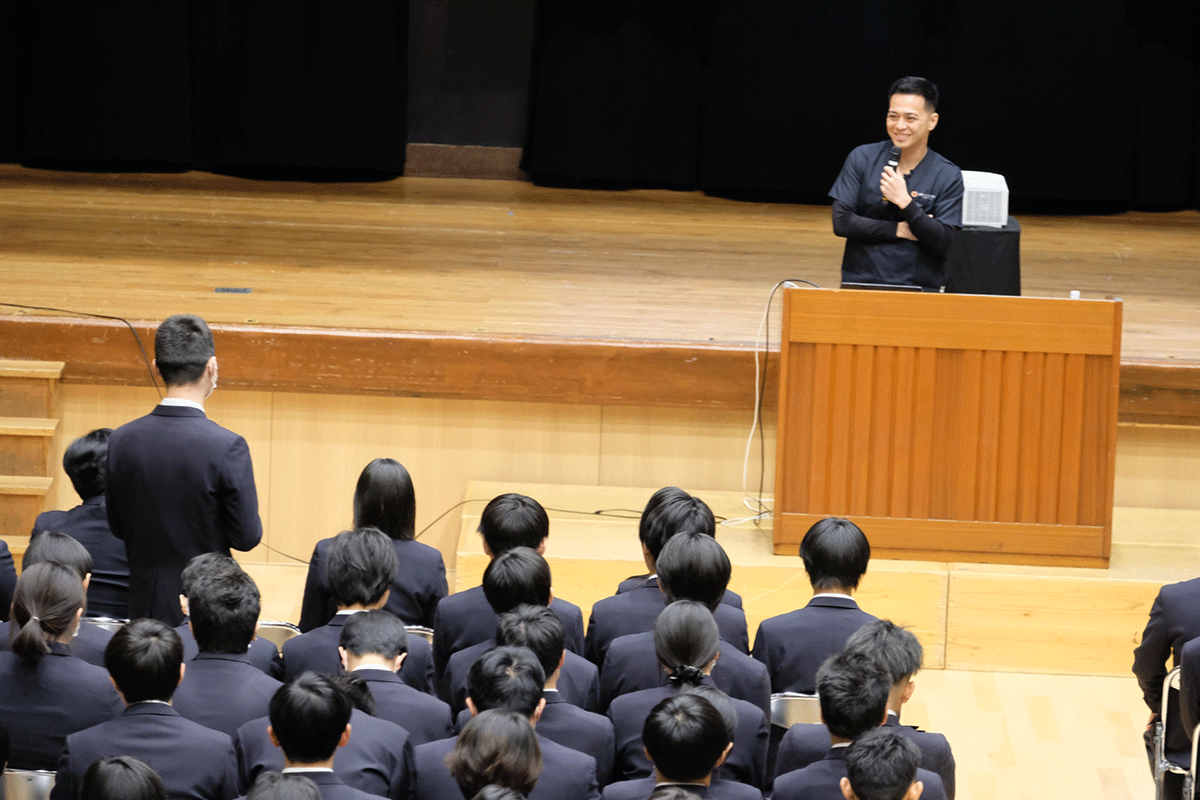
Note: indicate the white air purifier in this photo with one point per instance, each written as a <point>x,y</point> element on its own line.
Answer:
<point>985,200</point>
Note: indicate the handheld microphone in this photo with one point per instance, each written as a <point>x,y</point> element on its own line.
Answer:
<point>893,162</point>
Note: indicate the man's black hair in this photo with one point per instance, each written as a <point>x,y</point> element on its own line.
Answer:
<point>918,86</point>
<point>669,511</point>
<point>143,658</point>
<point>896,648</point>
<point>57,548</point>
<point>693,566</point>
<point>685,737</point>
<point>853,689</point>
<point>882,764</point>
<point>516,577</point>
<point>835,554</point>
<point>223,610</point>
<point>308,717</point>
<point>275,786</point>
<point>506,677</point>
<point>374,632</point>
<point>86,463</point>
<point>205,567</point>
<point>362,565</point>
<point>537,628</point>
<point>121,778</point>
<point>183,345</point>
<point>355,687</point>
<point>513,520</point>
<point>720,701</point>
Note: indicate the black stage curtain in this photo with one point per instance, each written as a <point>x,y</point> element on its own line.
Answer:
<point>204,84</point>
<point>1092,104</point>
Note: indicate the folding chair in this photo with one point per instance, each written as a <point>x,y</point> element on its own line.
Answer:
<point>110,624</point>
<point>27,784</point>
<point>1162,763</point>
<point>420,630</point>
<point>277,632</point>
<point>789,708</point>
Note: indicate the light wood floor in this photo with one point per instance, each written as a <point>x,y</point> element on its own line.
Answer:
<point>473,256</point>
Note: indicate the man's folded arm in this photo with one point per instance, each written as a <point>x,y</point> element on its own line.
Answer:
<point>935,235</point>
<point>849,225</point>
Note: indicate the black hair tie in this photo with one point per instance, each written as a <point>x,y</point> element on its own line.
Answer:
<point>686,673</point>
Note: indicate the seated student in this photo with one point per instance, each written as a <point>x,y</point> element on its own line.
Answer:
<point>277,786</point>
<point>520,577</point>
<point>496,748</point>
<point>86,464</point>
<point>8,580</point>
<point>58,548</point>
<point>540,630</point>
<point>669,511</point>
<point>145,660</point>
<point>687,645</point>
<point>373,646</point>
<point>695,568</point>
<point>853,688</point>
<point>635,611</point>
<point>377,759</point>
<point>383,499</point>
<point>901,654</point>
<point>882,765</point>
<point>263,653</point>
<point>686,739</point>
<point>509,678</point>
<point>222,689</point>
<point>121,778</point>
<point>1173,622</point>
<point>45,694</point>
<point>465,618</point>
<point>794,645</point>
<point>310,720</point>
<point>361,565</point>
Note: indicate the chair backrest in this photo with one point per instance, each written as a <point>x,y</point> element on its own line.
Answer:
<point>277,632</point>
<point>789,708</point>
<point>420,630</point>
<point>27,784</point>
<point>110,624</point>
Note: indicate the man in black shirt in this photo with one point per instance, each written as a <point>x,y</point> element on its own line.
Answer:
<point>899,222</point>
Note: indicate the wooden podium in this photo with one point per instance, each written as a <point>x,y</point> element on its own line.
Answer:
<point>950,427</point>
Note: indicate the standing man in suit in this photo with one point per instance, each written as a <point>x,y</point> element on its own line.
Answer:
<point>86,463</point>
<point>794,645</point>
<point>179,484</point>
<point>362,564</point>
<point>222,689</point>
<point>374,646</point>
<point>145,661</point>
<point>465,618</point>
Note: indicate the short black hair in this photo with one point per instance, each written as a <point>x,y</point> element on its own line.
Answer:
<point>686,639</point>
<point>384,498</point>
<point>720,701</point>
<point>121,778</point>
<point>143,658</point>
<point>895,647</point>
<point>506,677</point>
<point>274,786</point>
<point>375,632</point>
<point>516,577</point>
<point>669,511</point>
<point>685,737</point>
<point>853,688</point>
<point>672,791</point>
<point>835,553</point>
<point>694,566</point>
<point>183,344</point>
<point>882,764</point>
<point>496,748</point>
<point>58,548</point>
<point>86,463</point>
<point>918,86</point>
<point>537,628</point>
<point>355,687</point>
<point>362,565</point>
<point>223,610</point>
<point>308,717</point>
<point>202,568</point>
<point>513,520</point>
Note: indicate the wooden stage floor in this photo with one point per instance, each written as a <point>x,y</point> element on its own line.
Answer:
<point>508,264</point>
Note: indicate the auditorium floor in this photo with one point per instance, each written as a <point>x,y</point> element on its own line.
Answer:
<point>487,257</point>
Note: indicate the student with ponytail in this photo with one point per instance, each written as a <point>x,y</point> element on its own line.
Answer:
<point>45,692</point>
<point>687,645</point>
